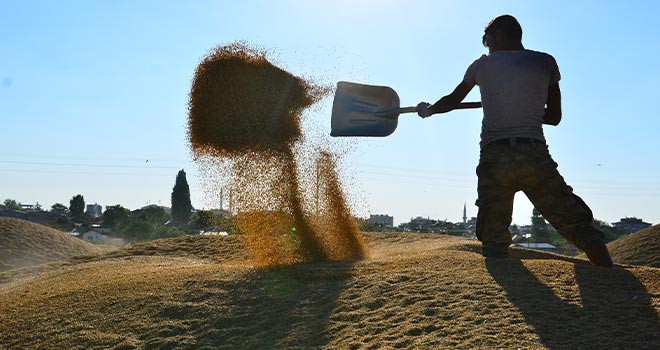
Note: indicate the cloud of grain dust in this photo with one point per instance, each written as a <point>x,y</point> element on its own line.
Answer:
<point>243,129</point>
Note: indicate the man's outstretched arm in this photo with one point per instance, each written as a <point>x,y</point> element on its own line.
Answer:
<point>446,103</point>
<point>553,106</point>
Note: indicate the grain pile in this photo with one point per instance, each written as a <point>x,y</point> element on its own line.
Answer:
<point>639,248</point>
<point>245,135</point>
<point>24,243</point>
<point>414,291</point>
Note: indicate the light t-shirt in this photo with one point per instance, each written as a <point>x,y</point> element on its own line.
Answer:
<point>514,90</point>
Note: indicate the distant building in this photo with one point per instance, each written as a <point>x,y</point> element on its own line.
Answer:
<point>421,224</point>
<point>546,247</point>
<point>94,210</point>
<point>92,236</point>
<point>385,220</point>
<point>101,228</point>
<point>28,207</point>
<point>630,225</point>
<point>97,237</point>
<point>471,225</point>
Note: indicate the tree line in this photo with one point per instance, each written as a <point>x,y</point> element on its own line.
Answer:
<point>150,222</point>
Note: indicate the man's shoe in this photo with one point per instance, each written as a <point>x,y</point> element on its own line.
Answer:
<point>598,254</point>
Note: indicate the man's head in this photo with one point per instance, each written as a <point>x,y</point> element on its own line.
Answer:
<point>503,33</point>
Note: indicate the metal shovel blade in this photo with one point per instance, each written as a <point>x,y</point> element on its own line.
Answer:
<point>364,110</point>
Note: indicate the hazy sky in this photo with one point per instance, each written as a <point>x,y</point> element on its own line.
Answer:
<point>91,90</point>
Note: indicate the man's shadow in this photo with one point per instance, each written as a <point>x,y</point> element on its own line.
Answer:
<point>614,310</point>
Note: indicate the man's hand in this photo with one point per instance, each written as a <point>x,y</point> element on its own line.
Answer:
<point>423,109</point>
<point>445,104</point>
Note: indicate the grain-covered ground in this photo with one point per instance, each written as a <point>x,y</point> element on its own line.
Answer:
<point>413,291</point>
<point>24,243</point>
<point>639,248</point>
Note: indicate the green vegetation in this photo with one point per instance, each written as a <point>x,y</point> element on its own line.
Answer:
<point>139,225</point>
<point>611,233</point>
<point>77,207</point>
<point>11,204</point>
<point>367,226</point>
<point>114,215</point>
<point>206,219</point>
<point>59,208</point>
<point>181,206</point>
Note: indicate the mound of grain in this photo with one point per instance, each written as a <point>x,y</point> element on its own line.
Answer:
<point>415,291</point>
<point>640,248</point>
<point>23,243</point>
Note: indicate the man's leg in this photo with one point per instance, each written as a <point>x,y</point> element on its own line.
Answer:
<point>567,212</point>
<point>496,191</point>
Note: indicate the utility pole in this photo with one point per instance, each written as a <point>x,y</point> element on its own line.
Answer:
<point>318,170</point>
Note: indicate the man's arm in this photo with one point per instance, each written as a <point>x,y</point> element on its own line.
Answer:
<point>553,110</point>
<point>446,103</point>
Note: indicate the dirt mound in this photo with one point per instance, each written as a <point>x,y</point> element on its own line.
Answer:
<point>413,291</point>
<point>23,243</point>
<point>640,248</point>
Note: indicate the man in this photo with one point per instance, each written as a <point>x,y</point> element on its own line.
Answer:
<point>519,92</point>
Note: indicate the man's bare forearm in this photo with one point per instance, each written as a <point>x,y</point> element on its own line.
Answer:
<point>445,104</point>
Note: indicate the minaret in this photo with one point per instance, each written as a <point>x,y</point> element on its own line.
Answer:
<point>464,214</point>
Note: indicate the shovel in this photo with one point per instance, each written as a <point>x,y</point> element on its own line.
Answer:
<point>367,110</point>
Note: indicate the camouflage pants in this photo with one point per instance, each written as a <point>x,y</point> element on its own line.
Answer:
<point>508,167</point>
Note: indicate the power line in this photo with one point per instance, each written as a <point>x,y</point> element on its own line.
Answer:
<point>398,173</point>
<point>39,171</point>
<point>152,158</point>
<point>89,165</point>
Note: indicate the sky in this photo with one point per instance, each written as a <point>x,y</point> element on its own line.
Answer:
<point>93,96</point>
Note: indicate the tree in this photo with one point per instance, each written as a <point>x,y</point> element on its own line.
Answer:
<point>168,232</point>
<point>77,207</point>
<point>611,233</point>
<point>366,225</point>
<point>138,230</point>
<point>114,215</point>
<point>181,206</point>
<point>540,231</point>
<point>59,208</point>
<point>11,204</point>
<point>206,219</point>
<point>153,214</point>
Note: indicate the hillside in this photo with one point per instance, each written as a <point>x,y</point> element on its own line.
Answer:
<point>640,248</point>
<point>24,243</point>
<point>413,291</point>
